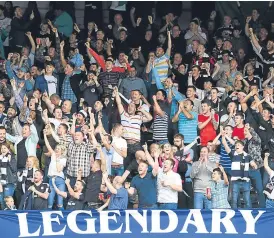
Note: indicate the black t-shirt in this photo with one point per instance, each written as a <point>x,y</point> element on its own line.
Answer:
<point>38,202</point>
<point>22,154</point>
<point>93,181</point>
<point>29,182</point>
<point>75,204</point>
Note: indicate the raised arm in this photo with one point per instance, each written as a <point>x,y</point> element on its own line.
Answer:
<point>31,40</point>
<point>62,56</point>
<point>157,108</point>
<point>169,44</point>
<point>118,100</point>
<point>266,165</point>
<point>254,40</point>
<point>51,151</point>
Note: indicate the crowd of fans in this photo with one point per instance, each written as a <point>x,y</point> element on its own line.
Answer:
<point>142,115</point>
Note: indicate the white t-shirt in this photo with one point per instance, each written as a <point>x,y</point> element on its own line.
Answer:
<point>52,84</point>
<point>4,23</point>
<point>120,143</point>
<point>53,168</point>
<point>167,194</point>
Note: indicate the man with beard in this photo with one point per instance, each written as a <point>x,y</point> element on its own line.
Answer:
<point>75,195</point>
<point>40,192</point>
<point>78,122</point>
<point>12,123</point>
<point>185,156</point>
<point>161,61</point>
<point>146,184</point>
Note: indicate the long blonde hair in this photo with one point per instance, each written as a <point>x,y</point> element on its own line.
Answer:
<point>35,162</point>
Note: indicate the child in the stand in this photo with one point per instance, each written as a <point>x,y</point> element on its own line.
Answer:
<point>9,203</point>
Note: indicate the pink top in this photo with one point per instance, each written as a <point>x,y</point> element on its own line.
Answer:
<point>163,158</point>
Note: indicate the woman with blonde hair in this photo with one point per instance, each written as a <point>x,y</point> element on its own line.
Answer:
<point>25,177</point>
<point>56,171</point>
<point>167,153</point>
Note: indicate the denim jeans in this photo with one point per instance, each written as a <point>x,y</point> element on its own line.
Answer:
<point>117,171</point>
<point>256,180</point>
<point>60,184</point>
<point>8,190</point>
<point>269,203</point>
<point>168,206</point>
<point>154,206</point>
<point>236,188</point>
<point>201,201</point>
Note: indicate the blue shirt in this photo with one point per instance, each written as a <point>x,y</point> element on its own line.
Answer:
<point>146,189</point>
<point>188,127</point>
<point>118,201</point>
<point>67,93</point>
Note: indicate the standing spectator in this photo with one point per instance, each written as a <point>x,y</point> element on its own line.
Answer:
<point>63,21</point>
<point>187,120</point>
<point>146,184</point>
<point>5,24</point>
<point>79,153</point>
<point>118,194</point>
<point>219,189</point>
<point>57,164</point>
<point>208,123</point>
<point>40,192</point>
<point>8,11</point>
<point>132,124</point>
<point>18,29</point>
<point>201,175</point>
<point>132,83</point>
<point>239,172</point>
<point>269,187</point>
<point>169,184</point>
<point>74,195</point>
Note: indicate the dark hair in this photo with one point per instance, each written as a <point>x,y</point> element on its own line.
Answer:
<point>65,126</point>
<point>2,7</point>
<point>163,92</point>
<point>171,161</point>
<point>40,171</point>
<point>56,109</point>
<point>181,136</point>
<point>206,101</point>
<point>192,87</point>
<point>3,128</point>
<point>196,66</point>
<point>214,89</point>
<point>2,103</point>
<point>240,115</point>
<point>218,170</point>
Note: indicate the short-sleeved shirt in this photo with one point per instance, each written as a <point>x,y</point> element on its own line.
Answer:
<point>93,188</point>
<point>79,157</point>
<point>208,133</point>
<point>188,127</point>
<point>161,64</point>
<point>75,204</point>
<point>120,143</point>
<point>167,194</point>
<point>119,200</point>
<point>219,194</point>
<point>146,189</point>
<point>132,125</point>
<point>38,202</point>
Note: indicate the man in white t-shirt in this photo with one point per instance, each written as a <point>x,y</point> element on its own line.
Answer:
<point>120,150</point>
<point>169,184</point>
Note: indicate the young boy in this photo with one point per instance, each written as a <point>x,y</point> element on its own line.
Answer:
<point>219,189</point>
<point>212,155</point>
<point>9,203</point>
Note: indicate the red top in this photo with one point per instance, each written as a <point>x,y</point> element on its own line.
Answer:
<point>163,158</point>
<point>208,132</point>
<point>238,132</point>
<point>102,63</point>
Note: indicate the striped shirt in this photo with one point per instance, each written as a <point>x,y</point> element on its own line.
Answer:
<point>188,127</point>
<point>161,64</point>
<point>225,160</point>
<point>240,166</point>
<point>160,127</point>
<point>132,126</point>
